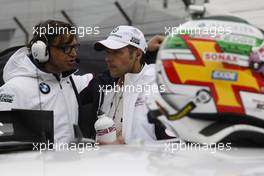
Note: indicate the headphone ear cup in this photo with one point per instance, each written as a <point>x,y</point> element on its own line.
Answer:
<point>39,51</point>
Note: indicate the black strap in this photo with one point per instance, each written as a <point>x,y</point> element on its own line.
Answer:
<point>75,91</point>
<point>77,131</point>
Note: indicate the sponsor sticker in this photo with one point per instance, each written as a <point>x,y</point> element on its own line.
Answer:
<point>7,98</point>
<point>44,88</point>
<point>221,57</point>
<point>106,130</point>
<point>135,40</point>
<point>139,102</point>
<point>115,30</point>
<point>224,75</point>
<point>239,39</point>
<point>260,106</point>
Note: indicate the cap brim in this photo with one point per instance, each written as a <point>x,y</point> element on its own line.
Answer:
<point>108,43</point>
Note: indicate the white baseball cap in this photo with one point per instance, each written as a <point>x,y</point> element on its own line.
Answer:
<point>122,36</point>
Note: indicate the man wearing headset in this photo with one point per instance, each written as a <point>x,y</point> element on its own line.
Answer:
<point>124,101</point>
<point>41,77</point>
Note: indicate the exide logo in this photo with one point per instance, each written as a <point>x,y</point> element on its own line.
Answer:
<point>222,75</point>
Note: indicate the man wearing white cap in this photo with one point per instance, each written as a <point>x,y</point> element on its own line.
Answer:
<point>125,103</point>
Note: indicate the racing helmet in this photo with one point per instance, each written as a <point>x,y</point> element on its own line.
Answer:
<point>209,91</point>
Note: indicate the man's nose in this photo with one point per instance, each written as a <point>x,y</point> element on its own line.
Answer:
<point>73,53</point>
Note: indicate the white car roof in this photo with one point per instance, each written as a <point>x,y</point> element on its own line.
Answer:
<point>134,160</point>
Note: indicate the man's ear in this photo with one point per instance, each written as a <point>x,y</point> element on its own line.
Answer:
<point>138,53</point>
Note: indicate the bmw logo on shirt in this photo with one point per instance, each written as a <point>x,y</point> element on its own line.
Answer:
<point>44,88</point>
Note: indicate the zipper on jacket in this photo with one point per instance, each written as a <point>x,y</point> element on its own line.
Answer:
<point>60,85</point>
<point>58,79</point>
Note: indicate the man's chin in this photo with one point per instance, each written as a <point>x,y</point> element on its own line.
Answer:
<point>115,75</point>
<point>68,69</point>
<point>73,66</point>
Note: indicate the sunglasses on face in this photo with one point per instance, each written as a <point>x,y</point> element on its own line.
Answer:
<point>67,49</point>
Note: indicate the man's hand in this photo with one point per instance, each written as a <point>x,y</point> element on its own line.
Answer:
<point>155,42</point>
<point>119,139</point>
